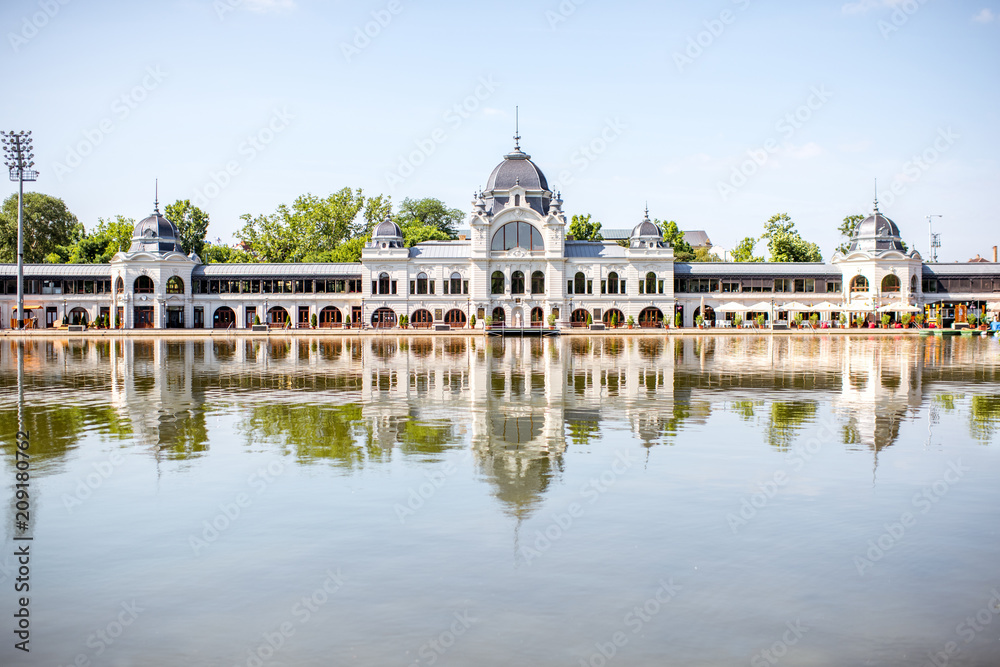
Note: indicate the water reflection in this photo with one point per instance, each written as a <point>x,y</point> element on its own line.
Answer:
<point>517,404</point>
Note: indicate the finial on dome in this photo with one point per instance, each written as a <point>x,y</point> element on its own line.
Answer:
<point>156,196</point>
<point>647,210</point>
<point>876,196</point>
<point>517,129</point>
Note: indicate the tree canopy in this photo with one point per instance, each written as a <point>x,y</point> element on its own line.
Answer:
<point>192,225</point>
<point>583,229</point>
<point>846,230</point>
<point>48,225</point>
<point>429,212</point>
<point>784,244</point>
<point>743,252</point>
<point>672,234</point>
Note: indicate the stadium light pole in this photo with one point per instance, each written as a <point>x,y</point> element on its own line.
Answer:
<point>19,160</point>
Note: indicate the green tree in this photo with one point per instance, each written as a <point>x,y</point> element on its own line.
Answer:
<point>48,224</point>
<point>223,254</point>
<point>192,225</point>
<point>429,212</point>
<point>414,234</point>
<point>784,243</point>
<point>583,229</point>
<point>705,255</point>
<point>672,234</point>
<point>743,252</point>
<point>846,230</point>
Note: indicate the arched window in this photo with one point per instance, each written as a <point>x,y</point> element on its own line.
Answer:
<point>536,316</point>
<point>914,285</point>
<point>119,286</point>
<point>890,283</point>
<point>421,283</point>
<point>517,235</point>
<point>859,284</point>
<point>580,283</point>
<point>456,283</point>
<point>175,285</point>
<point>383,283</point>
<point>650,283</point>
<point>498,316</point>
<point>517,283</point>
<point>537,282</point>
<point>612,283</point>
<point>143,285</point>
<point>497,283</point>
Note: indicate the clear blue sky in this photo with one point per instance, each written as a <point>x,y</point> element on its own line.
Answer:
<point>886,80</point>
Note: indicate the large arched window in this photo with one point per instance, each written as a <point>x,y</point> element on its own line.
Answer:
<point>612,283</point>
<point>175,285</point>
<point>859,284</point>
<point>456,283</point>
<point>497,283</point>
<point>143,285</point>
<point>421,283</point>
<point>913,285</point>
<point>119,286</point>
<point>580,283</point>
<point>517,283</point>
<point>650,283</point>
<point>537,282</point>
<point>890,283</point>
<point>383,283</point>
<point>517,235</point>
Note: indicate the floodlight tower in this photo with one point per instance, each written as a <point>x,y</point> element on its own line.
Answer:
<point>933,240</point>
<point>19,160</point>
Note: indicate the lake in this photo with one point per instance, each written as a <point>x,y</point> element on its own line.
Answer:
<point>398,500</point>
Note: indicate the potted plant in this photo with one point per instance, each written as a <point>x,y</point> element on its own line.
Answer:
<point>699,321</point>
<point>886,318</point>
<point>972,320</point>
<point>859,321</point>
<point>813,320</point>
<point>798,320</point>
<point>552,320</point>
<point>472,321</point>
<point>256,320</point>
<point>907,318</point>
<point>488,322</point>
<point>590,319</point>
<point>843,319</point>
<point>760,321</point>
<point>404,321</point>
<point>630,322</point>
<point>919,319</point>
<point>737,321</point>
<point>677,320</point>
<point>313,320</point>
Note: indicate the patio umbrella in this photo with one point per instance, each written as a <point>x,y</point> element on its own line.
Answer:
<point>794,305</point>
<point>900,308</point>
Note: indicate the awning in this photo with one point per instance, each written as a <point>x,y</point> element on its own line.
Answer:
<point>826,305</point>
<point>793,305</point>
<point>900,308</point>
<point>731,306</point>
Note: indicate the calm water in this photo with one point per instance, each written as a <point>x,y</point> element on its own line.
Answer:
<point>455,501</point>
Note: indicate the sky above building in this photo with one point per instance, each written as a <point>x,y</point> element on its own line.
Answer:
<point>718,114</point>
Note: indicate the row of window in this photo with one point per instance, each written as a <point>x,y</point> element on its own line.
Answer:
<point>777,285</point>
<point>423,285</point>
<point>34,286</point>
<point>268,286</point>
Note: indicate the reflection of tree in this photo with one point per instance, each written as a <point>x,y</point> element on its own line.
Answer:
<point>746,409</point>
<point>336,434</point>
<point>786,419</point>
<point>430,438</point>
<point>185,435</point>
<point>984,416</point>
<point>57,430</point>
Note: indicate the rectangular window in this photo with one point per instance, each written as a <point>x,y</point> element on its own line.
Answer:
<point>413,287</point>
<point>782,285</point>
<point>445,287</point>
<point>590,287</point>
<point>465,287</point>
<point>429,282</point>
<point>374,287</point>
<point>642,287</point>
<point>569,287</point>
<point>660,285</point>
<point>730,287</point>
<point>392,287</point>
<point>805,285</point>
<point>621,287</point>
<point>833,286</point>
<point>354,286</point>
<point>604,287</point>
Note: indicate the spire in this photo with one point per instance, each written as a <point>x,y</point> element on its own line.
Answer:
<point>876,197</point>
<point>517,129</point>
<point>647,211</point>
<point>156,196</point>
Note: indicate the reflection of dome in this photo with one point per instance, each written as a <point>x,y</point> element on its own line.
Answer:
<point>876,233</point>
<point>155,234</point>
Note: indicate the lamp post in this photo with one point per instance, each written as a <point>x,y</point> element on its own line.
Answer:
<point>19,160</point>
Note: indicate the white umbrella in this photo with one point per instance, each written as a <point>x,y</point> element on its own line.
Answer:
<point>826,305</point>
<point>793,305</point>
<point>900,308</point>
<point>731,306</point>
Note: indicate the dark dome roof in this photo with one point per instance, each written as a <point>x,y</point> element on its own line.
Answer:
<point>876,233</point>
<point>387,228</point>
<point>517,169</point>
<point>646,228</point>
<point>155,234</point>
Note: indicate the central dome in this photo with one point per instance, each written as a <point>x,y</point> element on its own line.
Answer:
<point>156,234</point>
<point>876,233</point>
<point>517,169</point>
